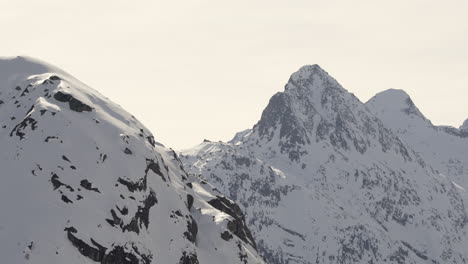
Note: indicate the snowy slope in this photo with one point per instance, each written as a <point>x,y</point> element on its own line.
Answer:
<point>84,182</point>
<point>445,148</point>
<point>322,180</point>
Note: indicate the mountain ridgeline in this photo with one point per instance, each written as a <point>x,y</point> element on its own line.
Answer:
<point>325,178</point>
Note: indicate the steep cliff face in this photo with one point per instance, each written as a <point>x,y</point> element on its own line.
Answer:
<point>322,179</point>
<point>84,182</point>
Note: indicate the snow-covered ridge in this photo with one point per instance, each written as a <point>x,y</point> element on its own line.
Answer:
<point>83,181</point>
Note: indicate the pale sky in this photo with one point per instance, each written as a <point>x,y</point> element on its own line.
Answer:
<point>191,70</point>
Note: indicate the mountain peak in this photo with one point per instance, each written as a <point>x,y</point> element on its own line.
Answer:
<point>15,69</point>
<point>394,100</point>
<point>312,77</point>
<point>24,64</point>
<point>392,96</point>
<point>310,69</point>
<point>464,127</point>
<point>316,110</point>
<point>395,93</point>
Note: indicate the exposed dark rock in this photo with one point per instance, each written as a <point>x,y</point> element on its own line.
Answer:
<point>62,97</point>
<point>88,186</point>
<point>279,113</point>
<point>192,230</point>
<point>189,258</point>
<point>141,184</point>
<point>70,229</point>
<point>226,235</point>
<point>141,217</point>
<point>120,255</point>
<point>189,201</point>
<point>94,253</point>
<point>128,151</point>
<point>47,81</point>
<point>237,226</point>
<point>123,211</point>
<point>74,104</point>
<point>49,138</point>
<point>26,91</point>
<point>178,213</point>
<point>134,186</point>
<point>151,140</point>
<point>18,130</point>
<point>65,199</point>
<point>115,221</point>
<point>116,255</point>
<point>55,181</point>
<point>154,166</point>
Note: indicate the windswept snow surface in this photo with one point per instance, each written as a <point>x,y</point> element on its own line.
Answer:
<point>82,181</point>
<point>322,179</point>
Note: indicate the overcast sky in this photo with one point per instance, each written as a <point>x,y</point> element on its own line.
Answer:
<point>191,70</point>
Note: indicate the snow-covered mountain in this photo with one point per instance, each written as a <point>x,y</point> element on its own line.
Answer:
<point>445,148</point>
<point>322,179</point>
<point>82,181</point>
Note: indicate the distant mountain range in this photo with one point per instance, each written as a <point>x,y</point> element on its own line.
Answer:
<point>321,178</point>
